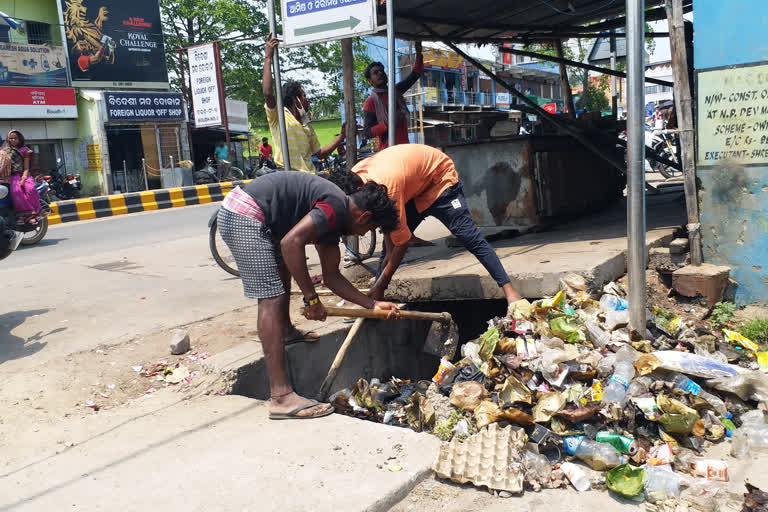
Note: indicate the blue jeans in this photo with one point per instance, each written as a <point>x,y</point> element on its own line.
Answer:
<point>451,209</point>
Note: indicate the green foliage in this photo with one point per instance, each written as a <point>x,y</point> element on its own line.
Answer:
<point>241,27</point>
<point>755,330</point>
<point>594,98</point>
<point>722,314</point>
<point>447,429</point>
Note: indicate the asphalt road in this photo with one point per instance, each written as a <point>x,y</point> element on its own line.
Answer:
<point>75,239</point>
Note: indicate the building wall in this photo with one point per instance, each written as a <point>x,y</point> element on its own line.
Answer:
<point>44,11</point>
<point>734,196</point>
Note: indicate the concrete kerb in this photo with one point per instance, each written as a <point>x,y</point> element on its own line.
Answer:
<point>134,202</point>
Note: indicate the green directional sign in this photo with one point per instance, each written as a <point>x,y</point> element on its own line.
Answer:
<point>349,23</point>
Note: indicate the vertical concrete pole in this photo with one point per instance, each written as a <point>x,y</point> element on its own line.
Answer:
<point>636,251</point>
<point>278,88</point>
<point>391,65</point>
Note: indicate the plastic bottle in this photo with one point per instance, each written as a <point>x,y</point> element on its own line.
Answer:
<point>610,302</point>
<point>753,434</point>
<point>598,456</point>
<point>599,337</point>
<point>686,384</point>
<point>576,475</point>
<point>639,386</point>
<point>662,483</point>
<point>618,384</point>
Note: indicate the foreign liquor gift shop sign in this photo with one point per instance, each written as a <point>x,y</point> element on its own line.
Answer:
<point>37,103</point>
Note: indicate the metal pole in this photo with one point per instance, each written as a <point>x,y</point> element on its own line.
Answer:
<point>391,129</point>
<point>144,170</point>
<point>171,159</point>
<point>636,251</point>
<point>125,177</point>
<point>614,97</point>
<point>279,88</point>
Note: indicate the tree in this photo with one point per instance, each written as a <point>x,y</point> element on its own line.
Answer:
<point>331,103</point>
<point>241,27</point>
<point>594,98</point>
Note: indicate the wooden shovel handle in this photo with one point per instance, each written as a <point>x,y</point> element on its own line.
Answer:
<point>380,314</point>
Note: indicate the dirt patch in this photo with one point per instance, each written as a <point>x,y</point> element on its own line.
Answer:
<point>660,294</point>
<point>111,376</point>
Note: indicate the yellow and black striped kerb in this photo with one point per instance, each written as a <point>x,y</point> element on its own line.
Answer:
<point>121,204</point>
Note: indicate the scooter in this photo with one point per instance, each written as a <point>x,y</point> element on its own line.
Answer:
<point>12,234</point>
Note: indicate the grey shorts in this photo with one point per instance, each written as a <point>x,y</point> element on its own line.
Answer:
<point>257,255</point>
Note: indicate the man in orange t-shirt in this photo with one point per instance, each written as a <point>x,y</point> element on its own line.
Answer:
<point>423,182</point>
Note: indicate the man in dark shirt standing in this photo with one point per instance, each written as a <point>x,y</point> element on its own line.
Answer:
<point>375,108</point>
<point>266,225</point>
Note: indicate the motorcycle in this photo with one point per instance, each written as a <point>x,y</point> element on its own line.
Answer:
<point>662,144</point>
<point>12,234</point>
<point>61,187</point>
<point>213,173</point>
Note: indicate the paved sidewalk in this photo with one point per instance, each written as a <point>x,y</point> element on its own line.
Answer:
<point>217,453</point>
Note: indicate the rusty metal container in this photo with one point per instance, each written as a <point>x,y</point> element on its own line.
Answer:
<point>522,181</point>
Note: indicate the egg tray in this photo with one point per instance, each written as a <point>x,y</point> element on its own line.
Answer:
<point>491,458</point>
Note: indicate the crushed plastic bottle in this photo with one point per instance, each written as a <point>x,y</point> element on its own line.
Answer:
<point>639,386</point>
<point>662,483</point>
<point>618,384</point>
<point>598,456</point>
<point>753,434</point>
<point>687,385</point>
<point>598,336</point>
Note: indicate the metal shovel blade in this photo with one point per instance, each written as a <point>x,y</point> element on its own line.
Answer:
<point>442,339</point>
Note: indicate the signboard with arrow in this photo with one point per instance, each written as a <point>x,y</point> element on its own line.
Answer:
<point>314,21</point>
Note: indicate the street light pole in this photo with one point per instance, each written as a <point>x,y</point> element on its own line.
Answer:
<point>392,126</point>
<point>279,88</point>
<point>636,250</point>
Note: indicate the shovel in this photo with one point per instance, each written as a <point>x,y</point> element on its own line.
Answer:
<point>442,338</point>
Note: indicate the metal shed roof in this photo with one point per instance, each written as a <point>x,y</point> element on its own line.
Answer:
<point>511,20</point>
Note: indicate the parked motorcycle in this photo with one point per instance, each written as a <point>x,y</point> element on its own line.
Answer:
<point>61,187</point>
<point>662,144</point>
<point>213,173</point>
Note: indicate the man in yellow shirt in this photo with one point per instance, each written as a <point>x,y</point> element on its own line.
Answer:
<point>302,139</point>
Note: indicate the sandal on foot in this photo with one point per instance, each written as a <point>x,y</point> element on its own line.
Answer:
<point>293,414</point>
<point>303,337</point>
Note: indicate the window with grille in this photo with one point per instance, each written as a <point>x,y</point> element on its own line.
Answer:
<point>38,33</point>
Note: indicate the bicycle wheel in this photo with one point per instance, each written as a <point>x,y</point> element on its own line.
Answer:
<point>220,251</point>
<point>235,174</point>
<point>366,246</point>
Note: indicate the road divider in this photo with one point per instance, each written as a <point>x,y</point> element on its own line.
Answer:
<point>134,202</point>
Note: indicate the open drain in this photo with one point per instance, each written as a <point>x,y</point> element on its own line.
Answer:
<point>380,350</point>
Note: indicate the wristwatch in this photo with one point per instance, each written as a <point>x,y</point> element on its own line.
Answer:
<point>311,301</point>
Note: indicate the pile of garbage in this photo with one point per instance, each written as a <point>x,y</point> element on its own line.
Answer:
<point>562,393</point>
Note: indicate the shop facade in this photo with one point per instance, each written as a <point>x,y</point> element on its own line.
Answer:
<point>126,135</point>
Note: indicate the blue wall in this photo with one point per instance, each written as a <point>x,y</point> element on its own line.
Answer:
<point>733,197</point>
<point>729,32</point>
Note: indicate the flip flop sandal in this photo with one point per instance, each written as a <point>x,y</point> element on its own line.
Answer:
<point>292,415</point>
<point>316,280</point>
<point>303,337</point>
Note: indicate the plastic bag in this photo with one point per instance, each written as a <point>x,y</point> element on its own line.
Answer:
<point>520,310</point>
<point>692,364</point>
<point>567,328</point>
<point>488,342</point>
<point>662,483</point>
<point>548,405</point>
<point>747,386</point>
<point>513,392</point>
<point>667,322</point>
<point>740,340</point>
<point>677,418</point>
<point>626,480</point>
<point>471,350</point>
<point>615,319</point>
